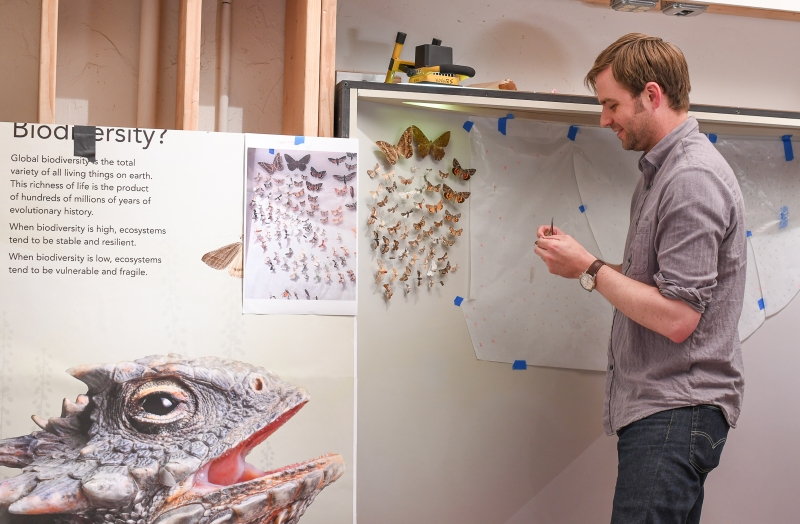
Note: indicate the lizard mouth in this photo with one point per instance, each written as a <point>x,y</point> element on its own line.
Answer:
<point>228,485</point>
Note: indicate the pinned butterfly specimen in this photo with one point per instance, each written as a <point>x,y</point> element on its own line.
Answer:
<point>318,174</point>
<point>451,218</point>
<point>377,192</point>
<point>419,204</point>
<point>431,187</point>
<point>403,147</point>
<point>301,164</point>
<point>350,166</point>
<point>337,161</point>
<point>315,207</point>
<point>419,225</point>
<point>299,193</point>
<point>314,187</point>
<point>351,207</point>
<point>455,232</point>
<point>444,174</point>
<point>227,257</point>
<point>312,198</point>
<point>374,172</point>
<point>389,292</point>
<point>373,217</point>
<point>425,146</point>
<point>340,192</point>
<point>455,196</point>
<point>393,230</point>
<point>388,176</point>
<point>337,220</point>
<point>427,233</point>
<point>436,207</point>
<point>391,188</point>
<point>392,209</point>
<point>345,178</point>
<point>460,172</point>
<point>446,242</point>
<point>405,181</point>
<point>384,201</point>
<point>297,184</point>
<point>275,165</point>
<point>438,224</point>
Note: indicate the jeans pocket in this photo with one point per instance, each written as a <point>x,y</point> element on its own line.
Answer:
<point>709,433</point>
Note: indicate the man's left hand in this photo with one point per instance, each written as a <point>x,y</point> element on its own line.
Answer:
<point>563,255</point>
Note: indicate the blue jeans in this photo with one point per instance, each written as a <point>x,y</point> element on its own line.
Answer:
<point>663,463</point>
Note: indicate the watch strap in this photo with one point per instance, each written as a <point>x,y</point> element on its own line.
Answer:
<point>595,267</point>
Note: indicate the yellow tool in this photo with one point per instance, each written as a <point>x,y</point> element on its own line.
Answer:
<point>433,64</point>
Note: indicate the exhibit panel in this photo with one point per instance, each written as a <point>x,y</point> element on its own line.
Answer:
<point>104,265</point>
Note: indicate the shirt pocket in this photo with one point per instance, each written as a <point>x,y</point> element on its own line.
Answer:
<point>640,249</point>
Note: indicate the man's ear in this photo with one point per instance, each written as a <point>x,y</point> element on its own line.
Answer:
<point>654,94</point>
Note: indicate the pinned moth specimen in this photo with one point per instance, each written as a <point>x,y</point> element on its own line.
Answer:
<point>405,181</point>
<point>435,208</point>
<point>373,216</point>
<point>345,178</point>
<point>378,191</point>
<point>391,188</point>
<point>388,176</point>
<point>340,192</point>
<point>384,201</point>
<point>403,148</point>
<point>392,209</point>
<point>451,218</point>
<point>456,232</point>
<point>393,230</point>
<point>374,172</point>
<point>318,174</point>
<point>460,172</point>
<point>228,257</point>
<point>301,164</point>
<point>275,165</point>
<point>408,213</point>
<point>419,225</point>
<point>381,272</point>
<point>351,275</point>
<point>389,292</point>
<point>434,148</point>
<point>352,156</point>
<point>443,174</point>
<point>351,206</point>
<point>338,160</point>
<point>446,242</point>
<point>404,234</point>
<point>386,245</point>
<point>430,187</point>
<point>394,276</point>
<point>314,187</point>
<point>454,196</point>
<point>350,166</point>
<point>438,224</point>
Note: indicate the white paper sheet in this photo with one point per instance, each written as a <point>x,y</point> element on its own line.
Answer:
<point>752,311</point>
<point>300,241</point>
<point>606,176</point>
<point>771,189</point>
<point>519,310</point>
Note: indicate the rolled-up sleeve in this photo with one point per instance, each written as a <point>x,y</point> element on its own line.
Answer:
<point>694,217</point>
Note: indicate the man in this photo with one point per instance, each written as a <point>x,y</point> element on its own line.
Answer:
<point>674,380</point>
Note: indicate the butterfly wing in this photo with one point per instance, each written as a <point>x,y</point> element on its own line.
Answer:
<point>438,145</point>
<point>318,174</point>
<point>423,144</point>
<point>303,162</point>
<point>389,150</point>
<point>404,146</point>
<point>223,257</point>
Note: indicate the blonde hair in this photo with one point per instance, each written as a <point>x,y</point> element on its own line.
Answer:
<point>636,59</point>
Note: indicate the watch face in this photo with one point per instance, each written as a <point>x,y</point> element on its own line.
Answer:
<point>587,282</point>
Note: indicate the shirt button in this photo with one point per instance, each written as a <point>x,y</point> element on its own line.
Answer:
<point>629,259</point>
<point>611,367</point>
<point>648,187</point>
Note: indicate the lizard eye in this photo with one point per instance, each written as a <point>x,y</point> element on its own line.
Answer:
<point>158,403</point>
<point>154,406</point>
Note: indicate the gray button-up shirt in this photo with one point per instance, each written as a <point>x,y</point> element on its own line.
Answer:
<point>687,236</point>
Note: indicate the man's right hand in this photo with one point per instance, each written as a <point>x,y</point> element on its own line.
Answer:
<point>544,231</point>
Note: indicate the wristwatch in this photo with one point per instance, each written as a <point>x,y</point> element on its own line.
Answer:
<point>587,278</point>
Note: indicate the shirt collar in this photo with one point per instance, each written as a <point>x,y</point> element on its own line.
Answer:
<point>656,156</point>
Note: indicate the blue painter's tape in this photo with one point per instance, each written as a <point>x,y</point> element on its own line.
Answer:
<point>572,133</point>
<point>458,301</point>
<point>519,364</point>
<point>582,208</point>
<point>468,126</point>
<point>501,123</point>
<point>784,218</point>
<point>787,147</point>
<point>760,303</point>
<point>712,138</point>
<point>749,233</point>
<point>271,151</point>
<point>299,140</point>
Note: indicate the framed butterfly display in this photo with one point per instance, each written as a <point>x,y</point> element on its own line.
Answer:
<point>300,240</point>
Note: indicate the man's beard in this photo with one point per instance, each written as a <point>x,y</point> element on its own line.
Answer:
<point>636,135</point>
